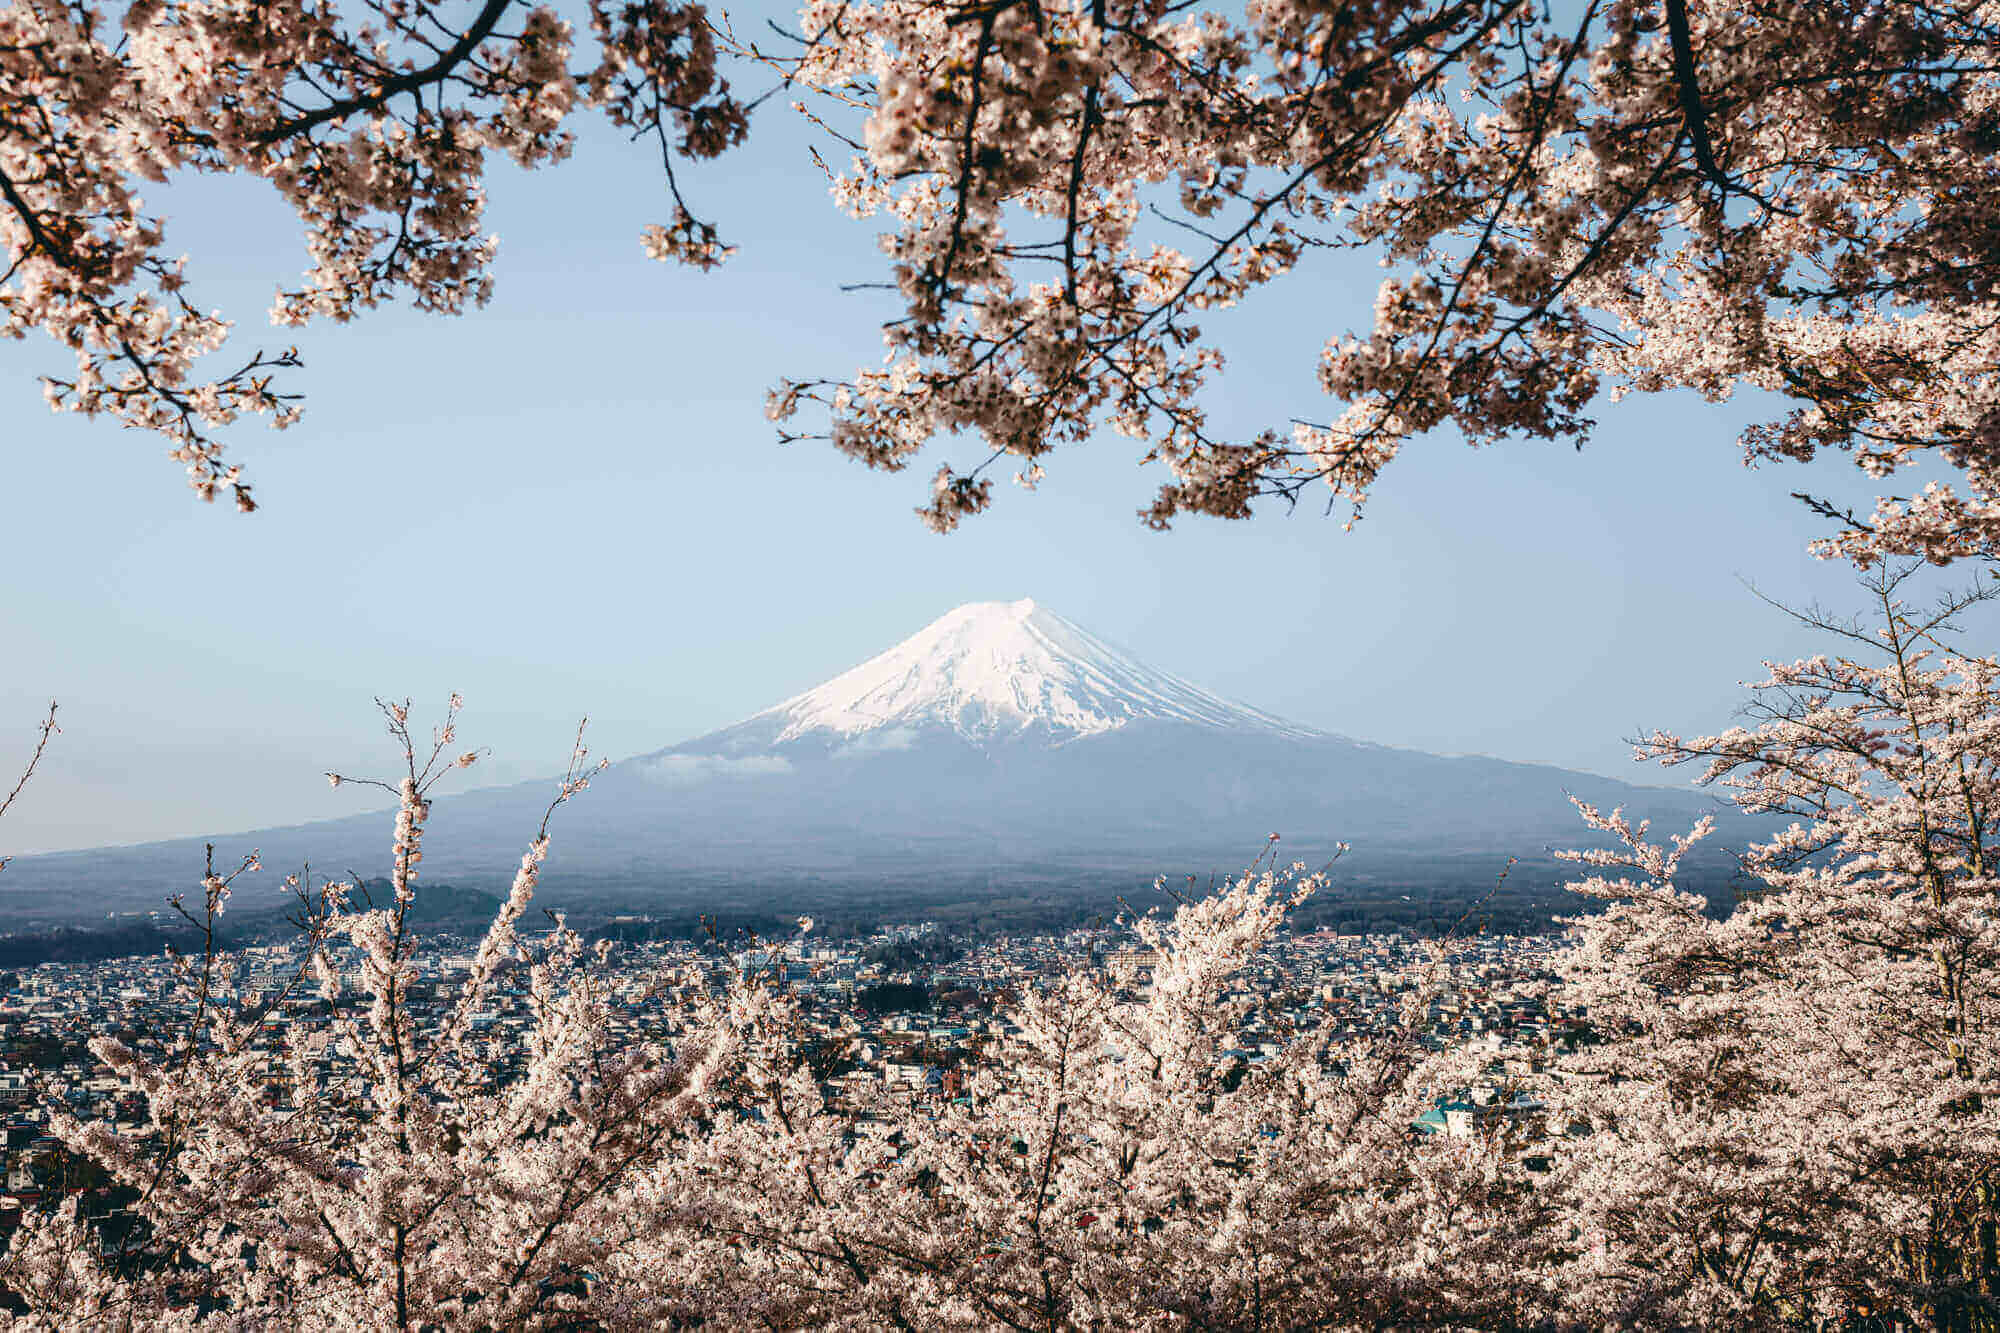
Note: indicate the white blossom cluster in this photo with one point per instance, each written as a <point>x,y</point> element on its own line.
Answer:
<point>1613,197</point>
<point>1639,195</point>
<point>1796,1103</point>
<point>372,121</point>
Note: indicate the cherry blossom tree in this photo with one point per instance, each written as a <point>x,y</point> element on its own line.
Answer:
<point>1114,1164</point>
<point>1791,1108</point>
<point>1575,201</point>
<point>437,1178</point>
<point>377,1164</point>
<point>372,121</point>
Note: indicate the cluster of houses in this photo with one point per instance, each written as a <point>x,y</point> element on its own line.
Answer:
<point>877,1020</point>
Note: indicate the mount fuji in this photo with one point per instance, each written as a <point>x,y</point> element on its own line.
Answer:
<point>1000,754</point>
<point>992,673</point>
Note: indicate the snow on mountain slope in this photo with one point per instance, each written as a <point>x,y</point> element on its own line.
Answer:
<point>991,671</point>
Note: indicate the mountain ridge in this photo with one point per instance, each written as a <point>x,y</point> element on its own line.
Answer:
<point>989,672</point>
<point>1000,746</point>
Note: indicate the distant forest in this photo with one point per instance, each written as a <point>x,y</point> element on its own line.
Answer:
<point>1459,895</point>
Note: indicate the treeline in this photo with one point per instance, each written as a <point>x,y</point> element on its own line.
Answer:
<point>1457,895</point>
<point>444,908</point>
<point>99,944</point>
<point>1460,895</point>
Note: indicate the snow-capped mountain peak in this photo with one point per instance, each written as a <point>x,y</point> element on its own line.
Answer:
<point>993,670</point>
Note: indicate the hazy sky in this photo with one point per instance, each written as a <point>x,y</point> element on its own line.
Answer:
<point>571,502</point>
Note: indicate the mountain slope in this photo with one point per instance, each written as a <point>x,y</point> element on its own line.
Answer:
<point>989,673</point>
<point>997,750</point>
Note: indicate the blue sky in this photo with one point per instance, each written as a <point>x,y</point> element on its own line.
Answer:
<point>571,502</point>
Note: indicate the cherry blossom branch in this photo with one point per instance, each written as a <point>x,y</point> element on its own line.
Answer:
<point>48,728</point>
<point>447,63</point>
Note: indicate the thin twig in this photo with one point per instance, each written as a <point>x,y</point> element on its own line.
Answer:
<point>49,729</point>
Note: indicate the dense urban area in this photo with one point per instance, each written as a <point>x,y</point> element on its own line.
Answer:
<point>906,1010</point>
